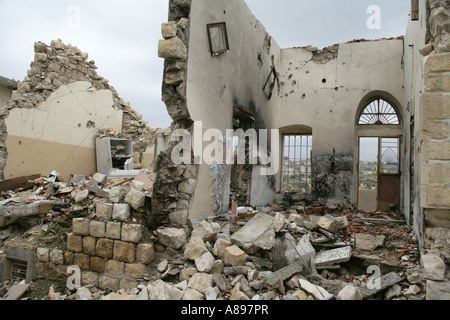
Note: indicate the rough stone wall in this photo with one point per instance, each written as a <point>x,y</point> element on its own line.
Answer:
<point>174,187</point>
<point>434,118</point>
<point>431,143</point>
<point>59,64</point>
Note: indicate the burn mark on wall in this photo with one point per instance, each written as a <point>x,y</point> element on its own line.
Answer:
<point>332,178</point>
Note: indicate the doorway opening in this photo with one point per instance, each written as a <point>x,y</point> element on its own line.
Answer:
<point>379,173</point>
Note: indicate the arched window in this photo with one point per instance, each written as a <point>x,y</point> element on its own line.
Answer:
<point>379,112</point>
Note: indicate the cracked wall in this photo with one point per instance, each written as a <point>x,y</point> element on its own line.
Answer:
<point>55,114</point>
<point>59,134</point>
<point>323,90</point>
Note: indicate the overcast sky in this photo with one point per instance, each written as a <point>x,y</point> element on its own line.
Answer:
<point>122,36</point>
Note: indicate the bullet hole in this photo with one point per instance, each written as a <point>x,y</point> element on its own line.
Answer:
<point>324,80</point>
<point>294,83</point>
<point>90,124</point>
<point>20,143</point>
<point>224,12</point>
<point>290,76</point>
<point>304,96</point>
<point>79,125</point>
<point>336,88</point>
<point>307,72</point>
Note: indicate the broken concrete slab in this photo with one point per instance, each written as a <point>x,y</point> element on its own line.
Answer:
<point>434,267</point>
<point>350,293</point>
<point>283,274</point>
<point>385,282</point>
<point>16,291</point>
<point>257,234</point>
<point>335,256</point>
<point>368,242</point>
<point>316,291</point>
<point>436,290</point>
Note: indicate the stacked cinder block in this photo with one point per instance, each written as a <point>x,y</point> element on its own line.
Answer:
<point>108,246</point>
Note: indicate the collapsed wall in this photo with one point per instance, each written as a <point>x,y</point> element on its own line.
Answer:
<point>56,112</point>
<point>175,184</point>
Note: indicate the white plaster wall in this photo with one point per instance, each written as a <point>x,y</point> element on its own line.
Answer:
<point>64,116</point>
<point>215,84</point>
<point>59,134</point>
<point>330,108</point>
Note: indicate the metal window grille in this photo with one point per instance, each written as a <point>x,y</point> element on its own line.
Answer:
<point>297,163</point>
<point>18,270</point>
<point>379,112</point>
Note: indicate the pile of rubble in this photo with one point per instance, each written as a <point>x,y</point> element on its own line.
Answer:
<point>315,252</point>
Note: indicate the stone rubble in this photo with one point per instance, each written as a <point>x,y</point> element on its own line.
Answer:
<point>272,253</point>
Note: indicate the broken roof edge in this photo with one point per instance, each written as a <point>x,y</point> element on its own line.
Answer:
<point>315,49</point>
<point>8,83</point>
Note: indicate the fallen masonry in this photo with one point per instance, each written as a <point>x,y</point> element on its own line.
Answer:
<point>264,253</point>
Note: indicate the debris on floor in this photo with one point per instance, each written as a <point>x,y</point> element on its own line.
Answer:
<point>315,252</point>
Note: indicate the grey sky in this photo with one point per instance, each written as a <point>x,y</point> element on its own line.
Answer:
<point>122,36</point>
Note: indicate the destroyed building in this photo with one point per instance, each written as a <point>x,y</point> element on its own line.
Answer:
<point>329,209</point>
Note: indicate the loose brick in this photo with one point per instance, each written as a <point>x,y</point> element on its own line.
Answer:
<point>145,253</point>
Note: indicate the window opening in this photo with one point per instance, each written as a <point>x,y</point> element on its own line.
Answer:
<point>218,38</point>
<point>297,169</point>
<point>379,112</point>
<point>18,270</point>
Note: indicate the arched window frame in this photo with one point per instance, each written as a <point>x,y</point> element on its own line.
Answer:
<point>379,111</point>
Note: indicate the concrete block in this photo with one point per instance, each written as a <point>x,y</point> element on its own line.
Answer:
<point>335,256</point>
